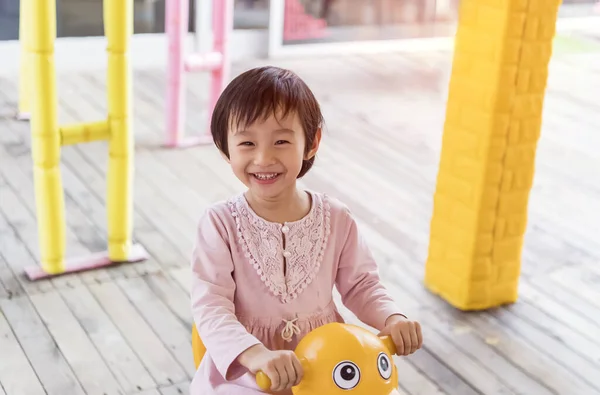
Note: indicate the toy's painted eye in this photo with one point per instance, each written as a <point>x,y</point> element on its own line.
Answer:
<point>384,365</point>
<point>346,375</point>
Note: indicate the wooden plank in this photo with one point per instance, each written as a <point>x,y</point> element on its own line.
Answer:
<point>555,309</point>
<point>152,352</point>
<point>473,373</point>
<point>148,392</point>
<point>496,366</point>
<point>17,257</point>
<point>182,278</point>
<point>552,326</point>
<point>5,276</point>
<point>577,280</point>
<point>176,389</point>
<point>10,286</point>
<point>545,368</point>
<point>540,243</point>
<point>122,361</point>
<point>173,296</point>
<point>84,359</point>
<point>16,374</point>
<point>45,357</point>
<point>414,381</point>
<point>170,330</point>
<point>552,346</point>
<point>439,373</point>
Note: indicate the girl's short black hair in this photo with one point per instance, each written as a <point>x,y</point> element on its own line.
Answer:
<point>261,92</point>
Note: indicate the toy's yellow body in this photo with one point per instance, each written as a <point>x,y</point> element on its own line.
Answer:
<point>343,358</point>
<point>337,359</point>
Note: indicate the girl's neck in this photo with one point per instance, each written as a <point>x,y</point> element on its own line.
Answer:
<point>288,207</point>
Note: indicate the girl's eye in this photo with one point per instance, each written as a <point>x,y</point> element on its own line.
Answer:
<point>246,143</point>
<point>278,142</point>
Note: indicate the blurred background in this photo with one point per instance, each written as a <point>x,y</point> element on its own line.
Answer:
<point>346,19</point>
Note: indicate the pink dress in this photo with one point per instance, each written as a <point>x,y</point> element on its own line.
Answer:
<point>241,295</point>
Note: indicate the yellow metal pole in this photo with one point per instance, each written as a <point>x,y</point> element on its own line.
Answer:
<point>84,133</point>
<point>118,25</point>
<point>25,72</point>
<point>45,143</point>
<point>492,126</point>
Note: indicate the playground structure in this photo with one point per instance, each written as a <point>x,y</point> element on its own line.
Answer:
<point>38,24</point>
<point>493,122</point>
<point>217,61</point>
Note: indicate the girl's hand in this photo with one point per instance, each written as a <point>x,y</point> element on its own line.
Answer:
<point>406,334</point>
<point>282,367</point>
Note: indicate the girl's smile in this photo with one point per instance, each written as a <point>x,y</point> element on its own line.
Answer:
<point>266,178</point>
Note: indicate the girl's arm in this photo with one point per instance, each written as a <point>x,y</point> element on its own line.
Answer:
<point>212,296</point>
<point>358,281</point>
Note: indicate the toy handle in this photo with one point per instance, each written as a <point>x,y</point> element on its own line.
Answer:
<point>388,342</point>
<point>263,381</point>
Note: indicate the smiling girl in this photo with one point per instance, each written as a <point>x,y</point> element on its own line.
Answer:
<point>266,260</point>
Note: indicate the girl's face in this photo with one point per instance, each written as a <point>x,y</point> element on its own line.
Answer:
<point>267,155</point>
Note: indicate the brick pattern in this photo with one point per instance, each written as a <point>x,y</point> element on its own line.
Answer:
<point>493,122</point>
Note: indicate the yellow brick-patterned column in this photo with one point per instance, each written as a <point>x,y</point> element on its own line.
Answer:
<point>493,122</point>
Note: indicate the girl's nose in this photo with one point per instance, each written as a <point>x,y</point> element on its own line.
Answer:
<point>264,158</point>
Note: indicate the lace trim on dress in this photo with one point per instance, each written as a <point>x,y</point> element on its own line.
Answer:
<point>263,241</point>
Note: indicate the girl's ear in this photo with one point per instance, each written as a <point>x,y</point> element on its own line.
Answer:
<point>315,145</point>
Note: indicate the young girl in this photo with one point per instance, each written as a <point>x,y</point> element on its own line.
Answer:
<point>266,260</point>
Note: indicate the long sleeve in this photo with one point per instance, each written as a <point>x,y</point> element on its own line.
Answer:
<point>358,281</point>
<point>212,298</point>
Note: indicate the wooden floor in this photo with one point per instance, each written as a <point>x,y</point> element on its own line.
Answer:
<point>125,330</point>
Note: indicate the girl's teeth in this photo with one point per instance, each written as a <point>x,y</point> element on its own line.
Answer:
<point>265,176</point>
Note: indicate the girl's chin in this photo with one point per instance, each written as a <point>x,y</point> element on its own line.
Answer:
<point>271,188</point>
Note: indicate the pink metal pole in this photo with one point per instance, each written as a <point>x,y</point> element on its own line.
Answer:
<point>216,61</point>
<point>176,16</point>
<point>222,26</point>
